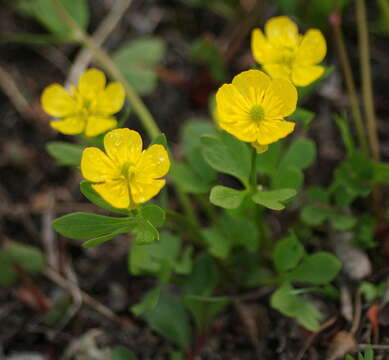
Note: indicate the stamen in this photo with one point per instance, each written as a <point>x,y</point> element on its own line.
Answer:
<point>257,113</point>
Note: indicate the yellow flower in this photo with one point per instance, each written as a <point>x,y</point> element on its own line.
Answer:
<point>284,53</point>
<point>87,108</point>
<point>253,106</point>
<point>125,176</point>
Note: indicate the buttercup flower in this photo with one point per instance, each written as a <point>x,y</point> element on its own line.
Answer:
<point>87,108</point>
<point>125,176</point>
<point>284,53</point>
<point>253,106</point>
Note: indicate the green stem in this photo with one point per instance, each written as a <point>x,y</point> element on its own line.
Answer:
<point>187,227</point>
<point>253,175</point>
<point>367,91</point>
<point>187,207</point>
<point>350,83</point>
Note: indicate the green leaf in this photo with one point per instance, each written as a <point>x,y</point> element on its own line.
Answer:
<point>58,311</point>
<point>203,278</point>
<point>192,131</point>
<point>289,304</point>
<point>365,232</point>
<point>104,238</point>
<point>46,13</point>
<point>200,167</point>
<point>273,199</point>
<point>228,155</point>
<point>287,253</point>
<point>64,153</point>
<point>300,154</point>
<point>148,303</point>
<point>369,291</point>
<point>82,226</point>
<point>137,60</point>
<point>355,175</point>
<point>204,309</point>
<point>369,353</point>
<point>219,244</point>
<point>28,257</point>
<point>121,353</point>
<point>317,194</point>
<point>342,222</point>
<point>7,274</point>
<point>189,180</point>
<point>176,355</point>
<point>267,162</point>
<point>314,215</point>
<point>149,258</point>
<point>95,198</point>
<point>154,214</point>
<point>287,177</point>
<point>145,232</point>
<point>319,268</point>
<point>381,173</point>
<point>183,266</point>
<point>170,319</point>
<point>226,197</point>
<point>303,116</point>
<point>227,233</point>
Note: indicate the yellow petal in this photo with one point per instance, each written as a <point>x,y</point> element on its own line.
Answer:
<point>260,148</point>
<point>111,100</point>
<point>97,167</point>
<point>271,131</point>
<point>123,145</point>
<point>252,84</point>
<point>56,101</point>
<point>260,47</point>
<point>243,130</point>
<point>142,192</point>
<point>230,103</point>
<point>278,71</point>
<point>305,75</point>
<point>154,163</point>
<point>91,83</point>
<point>280,99</point>
<point>98,125</point>
<point>281,31</point>
<point>69,126</point>
<point>114,192</point>
<point>312,49</point>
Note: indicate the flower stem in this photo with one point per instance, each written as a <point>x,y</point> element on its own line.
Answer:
<point>335,21</point>
<point>367,92</point>
<point>253,175</point>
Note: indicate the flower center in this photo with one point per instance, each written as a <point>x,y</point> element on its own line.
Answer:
<point>257,113</point>
<point>127,172</point>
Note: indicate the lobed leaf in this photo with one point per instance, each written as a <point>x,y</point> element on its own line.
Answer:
<point>273,199</point>
<point>226,197</point>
